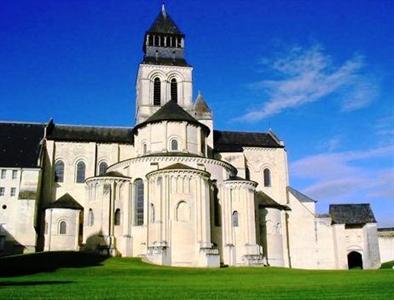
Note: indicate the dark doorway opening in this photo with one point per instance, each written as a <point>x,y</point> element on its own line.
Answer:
<point>354,260</point>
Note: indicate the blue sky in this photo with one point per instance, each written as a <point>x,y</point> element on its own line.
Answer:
<point>319,73</point>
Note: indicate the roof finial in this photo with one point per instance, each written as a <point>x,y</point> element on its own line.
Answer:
<point>163,10</point>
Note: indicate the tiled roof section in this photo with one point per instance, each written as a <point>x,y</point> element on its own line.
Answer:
<point>164,24</point>
<point>233,141</point>
<point>20,144</point>
<point>300,196</point>
<point>171,111</point>
<point>71,133</point>
<point>351,214</point>
<point>180,62</point>
<point>66,201</point>
<point>267,201</point>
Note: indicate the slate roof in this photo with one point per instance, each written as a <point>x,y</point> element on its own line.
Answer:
<point>66,201</point>
<point>386,229</point>
<point>300,196</point>
<point>20,144</point>
<point>233,141</point>
<point>73,133</point>
<point>171,111</point>
<point>267,201</point>
<point>164,24</point>
<point>180,62</point>
<point>201,105</point>
<point>351,214</point>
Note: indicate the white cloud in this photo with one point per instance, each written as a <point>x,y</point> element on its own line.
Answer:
<point>351,177</point>
<point>308,75</point>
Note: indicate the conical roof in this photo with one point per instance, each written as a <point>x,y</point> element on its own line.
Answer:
<point>164,24</point>
<point>201,105</point>
<point>171,111</point>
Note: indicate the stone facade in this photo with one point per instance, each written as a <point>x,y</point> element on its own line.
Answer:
<point>173,190</point>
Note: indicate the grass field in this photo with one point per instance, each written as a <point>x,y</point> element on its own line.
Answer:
<point>67,275</point>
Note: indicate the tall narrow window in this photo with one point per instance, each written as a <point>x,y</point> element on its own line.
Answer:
<point>144,148</point>
<point>103,168</point>
<point>235,219</point>
<point>156,92</point>
<point>152,213</point>
<point>174,145</point>
<point>62,227</point>
<point>138,202</point>
<point>117,217</point>
<point>267,177</point>
<point>81,169</point>
<point>90,217</point>
<point>174,90</point>
<point>14,174</point>
<point>3,174</point>
<point>59,171</point>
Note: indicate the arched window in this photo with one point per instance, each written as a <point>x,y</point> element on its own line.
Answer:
<point>174,145</point>
<point>152,213</point>
<point>117,217</point>
<point>267,177</point>
<point>59,171</point>
<point>235,219</point>
<point>102,168</point>
<point>182,212</point>
<point>90,217</point>
<point>81,169</point>
<point>174,90</point>
<point>156,92</point>
<point>62,227</point>
<point>138,202</point>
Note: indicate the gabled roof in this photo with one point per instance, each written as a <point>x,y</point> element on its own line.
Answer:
<point>20,144</point>
<point>164,24</point>
<point>233,141</point>
<point>351,214</point>
<point>267,201</point>
<point>66,201</point>
<point>171,111</point>
<point>300,196</point>
<point>74,133</point>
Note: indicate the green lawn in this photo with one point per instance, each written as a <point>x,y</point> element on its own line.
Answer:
<point>80,276</point>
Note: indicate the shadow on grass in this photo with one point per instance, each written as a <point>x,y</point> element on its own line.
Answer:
<point>47,262</point>
<point>32,283</point>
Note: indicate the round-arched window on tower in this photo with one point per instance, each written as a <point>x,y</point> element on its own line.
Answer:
<point>174,90</point>
<point>156,92</point>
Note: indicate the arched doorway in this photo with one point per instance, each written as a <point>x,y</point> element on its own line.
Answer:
<point>354,260</point>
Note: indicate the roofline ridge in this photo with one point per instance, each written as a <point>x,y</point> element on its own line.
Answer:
<point>23,122</point>
<point>94,126</point>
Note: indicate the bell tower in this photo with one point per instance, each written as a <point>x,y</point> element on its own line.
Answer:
<point>163,74</point>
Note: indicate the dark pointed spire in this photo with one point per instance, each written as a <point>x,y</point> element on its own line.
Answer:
<point>201,107</point>
<point>164,42</point>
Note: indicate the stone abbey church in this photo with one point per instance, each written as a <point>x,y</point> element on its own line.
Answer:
<point>171,189</point>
